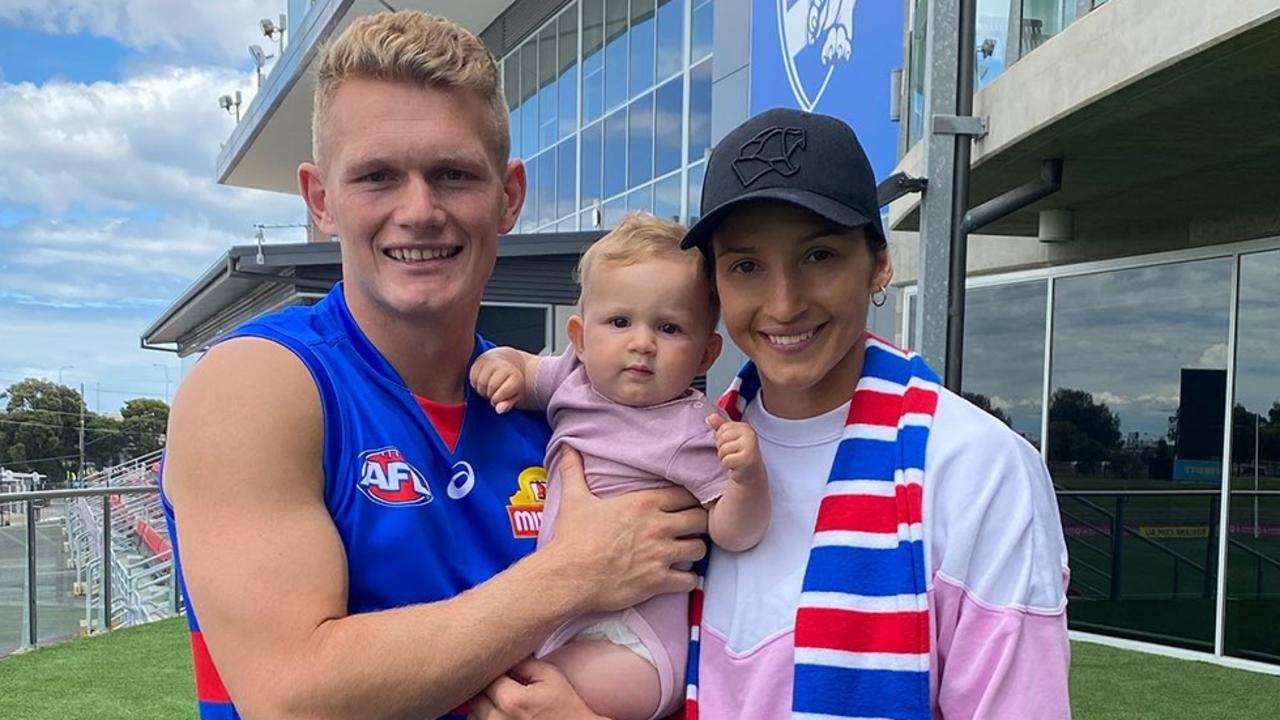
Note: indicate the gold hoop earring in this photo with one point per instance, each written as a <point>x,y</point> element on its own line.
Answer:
<point>880,297</point>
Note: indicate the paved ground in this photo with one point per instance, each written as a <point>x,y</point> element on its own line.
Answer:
<point>58,611</point>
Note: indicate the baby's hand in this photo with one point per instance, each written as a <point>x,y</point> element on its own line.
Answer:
<point>739,449</point>
<point>499,379</point>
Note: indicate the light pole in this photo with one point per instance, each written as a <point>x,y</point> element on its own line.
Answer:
<point>166,380</point>
<point>64,367</point>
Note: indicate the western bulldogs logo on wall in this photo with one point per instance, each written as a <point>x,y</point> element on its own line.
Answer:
<point>817,35</point>
<point>388,479</point>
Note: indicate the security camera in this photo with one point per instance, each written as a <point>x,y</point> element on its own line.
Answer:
<point>224,102</point>
<point>268,27</point>
<point>260,57</point>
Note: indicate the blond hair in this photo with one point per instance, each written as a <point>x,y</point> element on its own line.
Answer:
<point>638,237</point>
<point>411,47</point>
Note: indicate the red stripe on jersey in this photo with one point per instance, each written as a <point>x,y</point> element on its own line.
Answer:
<point>209,687</point>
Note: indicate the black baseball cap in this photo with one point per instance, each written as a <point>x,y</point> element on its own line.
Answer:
<point>809,160</point>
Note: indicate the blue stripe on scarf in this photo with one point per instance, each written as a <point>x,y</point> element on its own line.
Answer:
<point>862,571</point>
<point>867,459</point>
<point>882,364</point>
<point>861,693</point>
<point>864,459</point>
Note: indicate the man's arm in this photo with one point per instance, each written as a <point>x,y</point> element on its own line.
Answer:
<point>266,570</point>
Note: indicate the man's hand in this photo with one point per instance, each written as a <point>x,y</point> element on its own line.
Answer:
<point>532,690</point>
<point>499,377</point>
<point>622,550</point>
<point>739,450</point>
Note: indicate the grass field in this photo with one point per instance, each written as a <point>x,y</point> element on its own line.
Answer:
<point>144,673</point>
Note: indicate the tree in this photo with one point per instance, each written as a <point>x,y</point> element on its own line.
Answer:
<point>1081,430</point>
<point>145,421</point>
<point>984,403</point>
<point>40,432</point>
<point>105,441</point>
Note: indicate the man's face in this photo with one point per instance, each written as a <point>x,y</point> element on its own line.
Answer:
<point>414,194</point>
<point>794,296</point>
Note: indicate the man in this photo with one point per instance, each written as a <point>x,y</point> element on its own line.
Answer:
<point>345,512</point>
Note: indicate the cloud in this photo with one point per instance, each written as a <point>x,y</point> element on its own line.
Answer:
<point>223,29</point>
<point>116,191</point>
<point>102,347</point>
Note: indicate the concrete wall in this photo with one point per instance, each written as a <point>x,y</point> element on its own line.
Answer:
<point>1103,53</point>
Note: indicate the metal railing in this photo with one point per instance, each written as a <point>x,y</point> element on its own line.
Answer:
<point>1115,529</point>
<point>116,542</point>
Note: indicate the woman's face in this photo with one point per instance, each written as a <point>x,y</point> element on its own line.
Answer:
<point>795,294</point>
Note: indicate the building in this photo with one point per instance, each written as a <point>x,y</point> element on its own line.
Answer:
<point>614,107</point>
<point>1129,324</point>
<point>1135,351</point>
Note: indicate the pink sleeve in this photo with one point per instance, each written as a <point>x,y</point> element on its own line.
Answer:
<point>695,465</point>
<point>997,662</point>
<point>552,371</point>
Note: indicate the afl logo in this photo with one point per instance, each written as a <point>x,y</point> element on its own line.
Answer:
<point>387,479</point>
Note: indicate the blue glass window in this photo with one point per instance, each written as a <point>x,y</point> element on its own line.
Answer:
<point>699,111</point>
<point>670,37</point>
<point>592,158</point>
<point>568,70</point>
<point>511,91</point>
<point>548,103</point>
<point>640,150</point>
<point>615,60</point>
<point>566,192</point>
<point>696,173</point>
<point>642,45</point>
<point>640,200</point>
<point>592,59</point>
<point>615,153</point>
<point>529,213</point>
<point>529,98</point>
<point>668,126</point>
<point>613,212</point>
<point>666,198</point>
<point>546,187</point>
<point>703,27</point>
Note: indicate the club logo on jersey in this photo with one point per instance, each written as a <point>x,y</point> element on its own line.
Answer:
<point>388,479</point>
<point>525,510</point>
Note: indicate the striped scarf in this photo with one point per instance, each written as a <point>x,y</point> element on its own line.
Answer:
<point>862,626</point>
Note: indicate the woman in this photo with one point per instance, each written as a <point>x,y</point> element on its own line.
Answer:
<point>914,566</point>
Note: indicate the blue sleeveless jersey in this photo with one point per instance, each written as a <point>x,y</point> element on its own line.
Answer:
<point>419,523</point>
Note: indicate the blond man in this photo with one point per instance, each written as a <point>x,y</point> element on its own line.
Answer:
<point>352,523</point>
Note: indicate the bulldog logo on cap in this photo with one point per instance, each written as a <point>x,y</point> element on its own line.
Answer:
<point>773,149</point>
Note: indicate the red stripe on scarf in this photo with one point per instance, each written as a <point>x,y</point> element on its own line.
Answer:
<point>920,401</point>
<point>870,513</point>
<point>886,409</point>
<point>854,631</point>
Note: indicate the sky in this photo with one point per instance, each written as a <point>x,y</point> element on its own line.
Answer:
<point>109,134</point>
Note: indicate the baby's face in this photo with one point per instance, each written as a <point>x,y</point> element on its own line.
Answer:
<point>647,329</point>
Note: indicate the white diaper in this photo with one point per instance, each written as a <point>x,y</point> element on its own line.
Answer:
<point>617,632</point>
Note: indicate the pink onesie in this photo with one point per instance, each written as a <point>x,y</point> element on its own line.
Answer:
<point>624,449</point>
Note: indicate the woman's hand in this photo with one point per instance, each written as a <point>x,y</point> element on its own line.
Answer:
<point>532,690</point>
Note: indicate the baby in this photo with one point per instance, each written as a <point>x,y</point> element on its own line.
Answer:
<point>620,395</point>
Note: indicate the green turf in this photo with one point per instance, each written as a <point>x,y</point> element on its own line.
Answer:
<point>135,674</point>
<point>1109,684</point>
<point>145,672</point>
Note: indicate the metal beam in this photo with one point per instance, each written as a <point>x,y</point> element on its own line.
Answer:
<point>1050,182</point>
<point>941,54</point>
